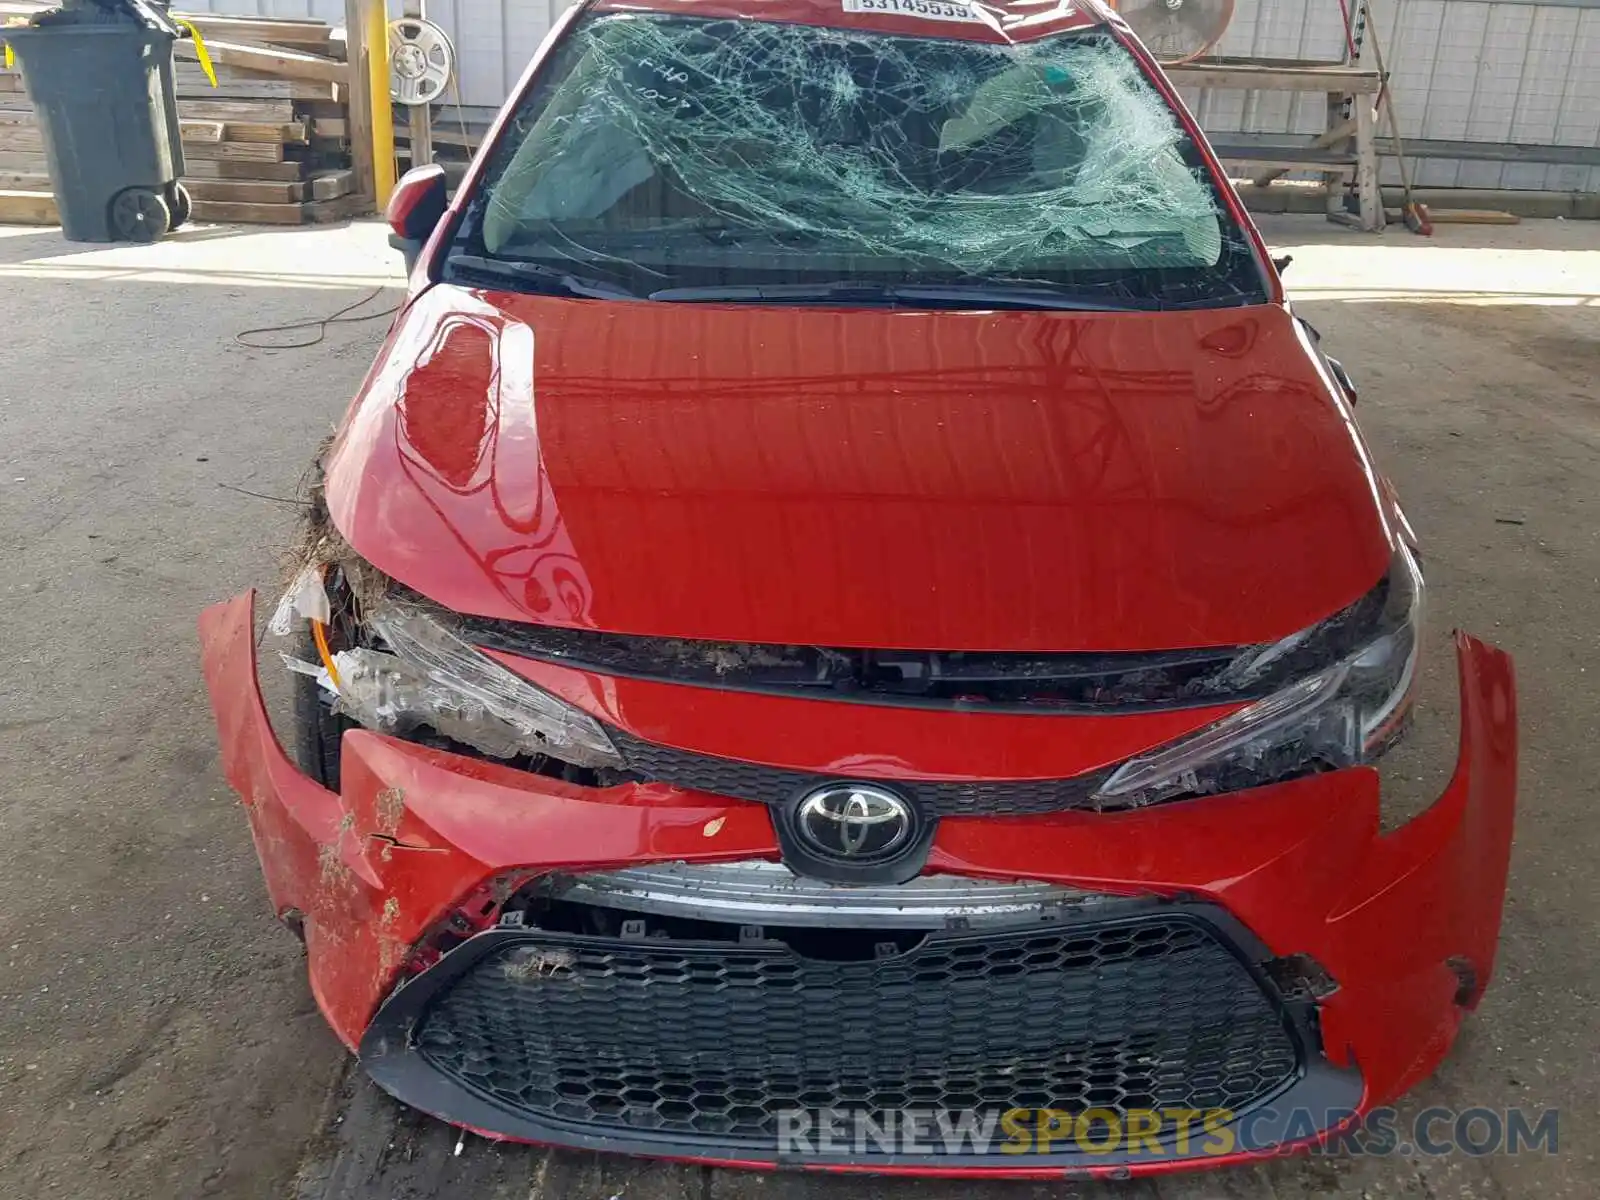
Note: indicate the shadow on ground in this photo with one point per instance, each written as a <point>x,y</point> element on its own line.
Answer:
<point>156,1034</point>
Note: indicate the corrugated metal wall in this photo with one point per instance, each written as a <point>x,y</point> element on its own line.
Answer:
<point>1464,70</point>
<point>331,11</point>
<point>494,41</point>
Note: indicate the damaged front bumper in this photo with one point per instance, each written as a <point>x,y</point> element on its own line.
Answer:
<point>1401,927</point>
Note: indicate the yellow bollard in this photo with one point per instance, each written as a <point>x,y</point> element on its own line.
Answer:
<point>382,109</point>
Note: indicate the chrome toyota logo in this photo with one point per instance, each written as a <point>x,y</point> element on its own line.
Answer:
<point>854,821</point>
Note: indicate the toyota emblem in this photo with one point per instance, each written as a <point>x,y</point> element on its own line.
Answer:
<point>854,821</point>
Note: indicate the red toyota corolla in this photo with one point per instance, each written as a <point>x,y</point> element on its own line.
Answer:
<point>848,602</point>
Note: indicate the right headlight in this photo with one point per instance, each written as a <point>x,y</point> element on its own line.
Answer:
<point>1337,714</point>
<point>430,677</point>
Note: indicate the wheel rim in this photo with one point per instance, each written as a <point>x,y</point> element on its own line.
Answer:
<point>139,215</point>
<point>421,60</point>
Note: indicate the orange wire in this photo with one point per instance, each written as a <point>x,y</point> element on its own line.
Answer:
<point>319,634</point>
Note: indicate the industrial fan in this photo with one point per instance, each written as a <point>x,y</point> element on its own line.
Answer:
<point>1176,31</point>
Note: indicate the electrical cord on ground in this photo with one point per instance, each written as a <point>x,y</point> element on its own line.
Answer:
<point>320,324</point>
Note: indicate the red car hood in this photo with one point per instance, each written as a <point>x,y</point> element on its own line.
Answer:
<point>913,480</point>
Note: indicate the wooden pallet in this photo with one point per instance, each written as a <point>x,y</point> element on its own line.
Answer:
<point>237,110</point>
<point>22,138</point>
<point>309,212</point>
<point>21,151</point>
<point>306,36</point>
<point>264,146</point>
<point>329,185</point>
<point>27,208</point>
<point>23,162</point>
<point>240,83</point>
<point>281,133</point>
<point>25,181</point>
<point>289,207</point>
<point>235,151</point>
<point>222,168</point>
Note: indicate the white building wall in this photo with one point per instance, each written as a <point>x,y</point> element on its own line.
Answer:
<point>331,11</point>
<point>1463,70</point>
<point>494,41</point>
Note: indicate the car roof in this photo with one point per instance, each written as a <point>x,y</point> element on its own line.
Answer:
<point>990,20</point>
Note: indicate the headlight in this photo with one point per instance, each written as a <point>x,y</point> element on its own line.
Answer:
<point>1336,715</point>
<point>434,678</point>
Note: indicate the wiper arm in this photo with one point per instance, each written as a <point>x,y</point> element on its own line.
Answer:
<point>974,296</point>
<point>547,279</point>
<point>1006,296</point>
<point>779,293</point>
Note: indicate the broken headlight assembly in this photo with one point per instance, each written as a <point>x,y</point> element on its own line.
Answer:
<point>427,677</point>
<point>1347,709</point>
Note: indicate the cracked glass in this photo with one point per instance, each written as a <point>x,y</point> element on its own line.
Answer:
<point>686,159</point>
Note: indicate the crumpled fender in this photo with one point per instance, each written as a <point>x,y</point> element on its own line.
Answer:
<point>371,869</point>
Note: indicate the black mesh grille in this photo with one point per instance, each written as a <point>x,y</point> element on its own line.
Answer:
<point>714,1040</point>
<point>774,785</point>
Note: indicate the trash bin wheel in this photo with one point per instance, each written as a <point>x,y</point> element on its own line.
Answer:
<point>181,204</point>
<point>140,214</point>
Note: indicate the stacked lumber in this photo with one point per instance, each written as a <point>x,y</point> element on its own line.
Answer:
<point>267,145</point>
<point>25,197</point>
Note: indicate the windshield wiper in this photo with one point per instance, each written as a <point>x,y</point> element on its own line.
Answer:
<point>543,278</point>
<point>962,296</point>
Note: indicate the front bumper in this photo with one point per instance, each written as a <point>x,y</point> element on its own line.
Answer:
<point>1406,923</point>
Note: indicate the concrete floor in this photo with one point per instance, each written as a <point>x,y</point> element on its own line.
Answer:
<point>156,1034</point>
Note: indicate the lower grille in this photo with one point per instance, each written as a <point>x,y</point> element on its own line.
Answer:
<point>713,1040</point>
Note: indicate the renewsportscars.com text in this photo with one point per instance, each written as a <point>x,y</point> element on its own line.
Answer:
<point>1164,1132</point>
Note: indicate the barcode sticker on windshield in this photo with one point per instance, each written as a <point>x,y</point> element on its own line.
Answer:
<point>926,10</point>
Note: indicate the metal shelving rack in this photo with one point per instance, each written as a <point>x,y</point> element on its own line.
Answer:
<point>1345,149</point>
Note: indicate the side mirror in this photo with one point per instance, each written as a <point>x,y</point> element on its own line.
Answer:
<point>417,203</point>
<point>1342,378</point>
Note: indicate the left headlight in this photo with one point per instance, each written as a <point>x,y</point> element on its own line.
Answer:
<point>433,678</point>
<point>1339,714</point>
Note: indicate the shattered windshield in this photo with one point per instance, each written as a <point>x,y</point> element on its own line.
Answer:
<point>679,159</point>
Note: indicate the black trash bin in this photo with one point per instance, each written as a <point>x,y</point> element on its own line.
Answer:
<point>99,74</point>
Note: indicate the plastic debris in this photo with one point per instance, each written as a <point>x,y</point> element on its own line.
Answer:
<point>306,598</point>
<point>315,670</point>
